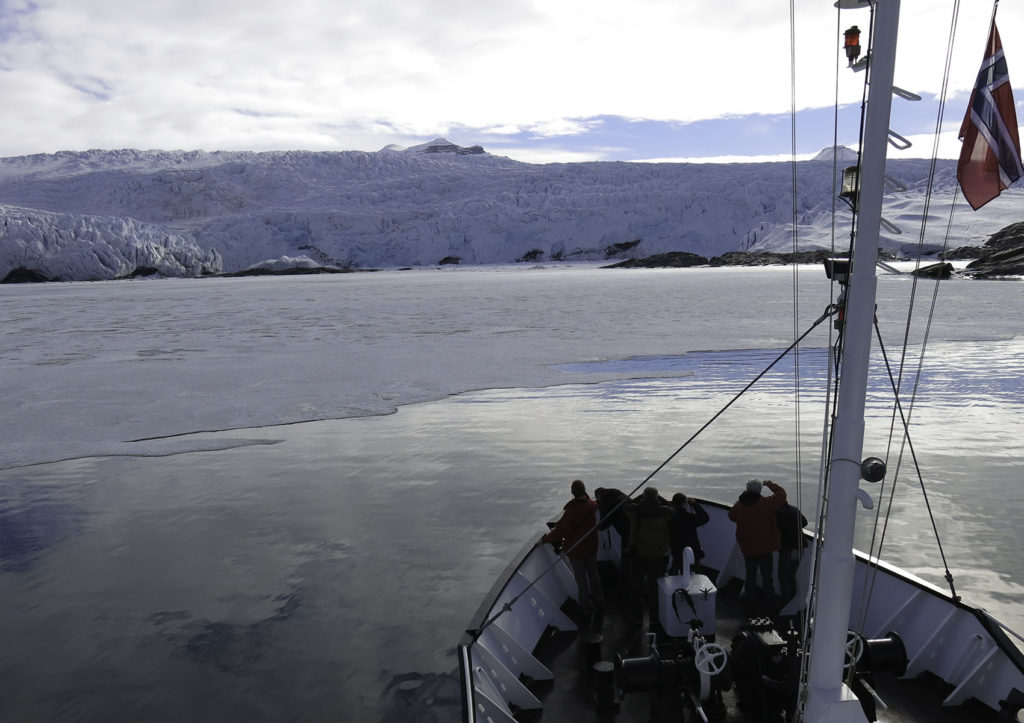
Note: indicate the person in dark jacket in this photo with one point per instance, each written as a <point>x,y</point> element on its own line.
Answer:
<point>791,522</point>
<point>576,532</point>
<point>758,535</point>
<point>682,529</point>
<point>611,511</point>
<point>611,504</point>
<point>650,542</point>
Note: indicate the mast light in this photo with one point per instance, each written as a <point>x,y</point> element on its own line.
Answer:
<point>851,186</point>
<point>852,44</point>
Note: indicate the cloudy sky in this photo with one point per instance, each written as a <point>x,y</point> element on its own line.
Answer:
<point>536,80</point>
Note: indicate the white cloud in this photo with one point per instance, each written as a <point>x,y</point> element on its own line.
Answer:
<point>314,74</point>
<point>767,158</point>
<point>543,155</point>
<point>949,144</point>
<point>561,127</point>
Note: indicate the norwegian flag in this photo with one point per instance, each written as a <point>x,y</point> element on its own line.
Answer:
<point>990,158</point>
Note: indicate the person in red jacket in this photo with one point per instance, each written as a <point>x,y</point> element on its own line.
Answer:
<point>758,536</point>
<point>576,532</point>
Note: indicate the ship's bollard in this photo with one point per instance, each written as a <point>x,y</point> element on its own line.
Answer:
<point>590,644</point>
<point>603,673</point>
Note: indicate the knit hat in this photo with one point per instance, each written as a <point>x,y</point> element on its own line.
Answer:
<point>754,486</point>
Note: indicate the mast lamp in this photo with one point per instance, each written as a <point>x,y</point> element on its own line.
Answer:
<point>851,186</point>
<point>852,44</point>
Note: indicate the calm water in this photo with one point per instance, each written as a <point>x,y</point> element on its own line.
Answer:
<point>326,571</point>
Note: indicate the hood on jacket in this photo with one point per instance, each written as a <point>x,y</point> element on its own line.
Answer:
<point>575,501</point>
<point>749,498</point>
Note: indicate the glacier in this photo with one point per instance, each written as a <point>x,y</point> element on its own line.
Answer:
<point>77,247</point>
<point>102,214</point>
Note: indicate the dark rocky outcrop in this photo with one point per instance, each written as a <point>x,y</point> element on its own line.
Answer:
<point>616,249</point>
<point>745,258</point>
<point>673,259</point>
<point>143,271</point>
<point>771,258</point>
<point>449,260</point>
<point>21,275</point>
<point>1002,255</point>
<point>682,259</point>
<point>453,148</point>
<point>935,271</point>
<point>1008,237</point>
<point>291,271</point>
<point>963,253</point>
<point>299,271</point>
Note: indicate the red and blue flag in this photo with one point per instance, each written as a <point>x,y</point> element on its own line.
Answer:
<point>990,158</point>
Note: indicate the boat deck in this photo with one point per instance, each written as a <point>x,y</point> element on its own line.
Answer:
<point>574,693</point>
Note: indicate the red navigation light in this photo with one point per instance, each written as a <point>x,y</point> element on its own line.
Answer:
<point>852,44</point>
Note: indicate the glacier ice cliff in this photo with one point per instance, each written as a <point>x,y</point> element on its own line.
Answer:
<point>73,247</point>
<point>110,214</point>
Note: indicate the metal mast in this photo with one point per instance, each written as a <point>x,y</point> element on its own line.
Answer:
<point>828,699</point>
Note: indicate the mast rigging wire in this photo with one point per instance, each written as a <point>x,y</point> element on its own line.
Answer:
<point>898,382</point>
<point>910,446</point>
<point>824,473</point>
<point>796,248</point>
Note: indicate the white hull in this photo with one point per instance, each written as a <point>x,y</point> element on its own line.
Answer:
<point>960,644</point>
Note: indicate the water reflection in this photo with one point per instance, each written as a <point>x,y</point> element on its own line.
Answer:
<point>328,576</point>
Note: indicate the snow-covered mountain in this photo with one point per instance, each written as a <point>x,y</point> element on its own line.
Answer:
<point>840,153</point>
<point>107,214</point>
